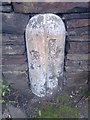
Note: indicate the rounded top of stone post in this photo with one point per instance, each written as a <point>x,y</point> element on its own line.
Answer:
<point>42,19</point>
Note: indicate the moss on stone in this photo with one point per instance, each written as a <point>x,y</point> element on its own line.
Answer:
<point>88,93</point>
<point>64,97</point>
<point>83,89</point>
<point>62,109</point>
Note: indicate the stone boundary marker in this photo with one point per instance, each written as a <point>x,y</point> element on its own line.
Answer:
<point>45,39</point>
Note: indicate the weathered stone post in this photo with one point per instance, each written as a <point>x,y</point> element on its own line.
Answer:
<point>45,40</point>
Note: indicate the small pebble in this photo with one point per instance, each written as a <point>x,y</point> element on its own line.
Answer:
<point>9,116</point>
<point>73,93</point>
<point>77,91</point>
<point>71,96</point>
<point>76,106</point>
<point>39,102</point>
<point>63,17</point>
<point>60,88</point>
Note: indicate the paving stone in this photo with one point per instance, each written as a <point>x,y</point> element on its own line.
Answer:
<point>83,108</point>
<point>16,112</point>
<point>1,110</point>
<point>6,114</point>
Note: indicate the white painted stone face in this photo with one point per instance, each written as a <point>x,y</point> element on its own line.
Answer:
<point>45,40</point>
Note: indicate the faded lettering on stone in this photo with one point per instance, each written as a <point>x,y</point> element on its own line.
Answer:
<point>52,47</point>
<point>34,55</point>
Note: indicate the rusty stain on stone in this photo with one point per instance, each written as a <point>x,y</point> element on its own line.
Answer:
<point>45,40</point>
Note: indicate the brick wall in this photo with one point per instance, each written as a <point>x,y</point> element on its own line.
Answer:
<point>15,17</point>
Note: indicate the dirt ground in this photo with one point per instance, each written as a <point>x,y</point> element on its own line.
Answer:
<point>67,103</point>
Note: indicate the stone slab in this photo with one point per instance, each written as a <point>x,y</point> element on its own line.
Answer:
<point>6,114</point>
<point>6,9</point>
<point>13,59</point>
<point>76,69</point>
<point>1,110</point>
<point>79,47</point>
<point>81,38</point>
<point>76,78</point>
<point>53,7</point>
<point>77,23</point>
<point>13,39</point>
<point>17,80</point>
<point>75,66</point>
<point>76,16</point>
<point>14,68</point>
<point>76,63</point>
<point>78,57</point>
<point>4,3</point>
<point>13,50</point>
<point>82,31</point>
<point>16,112</point>
<point>14,23</point>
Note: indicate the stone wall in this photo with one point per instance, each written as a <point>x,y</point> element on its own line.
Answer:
<point>15,17</point>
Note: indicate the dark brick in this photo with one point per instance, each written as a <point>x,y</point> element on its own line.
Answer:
<point>83,38</point>
<point>13,59</point>
<point>76,16</point>
<point>76,79</point>
<point>6,9</point>
<point>78,31</point>
<point>79,47</point>
<point>14,23</point>
<point>13,50</point>
<point>77,68</point>
<point>78,57</point>
<point>77,23</point>
<point>54,7</point>
<point>12,39</point>
<point>5,3</point>
<point>17,80</point>
<point>14,68</point>
<point>76,63</point>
